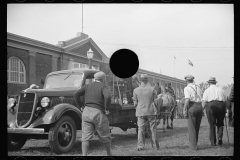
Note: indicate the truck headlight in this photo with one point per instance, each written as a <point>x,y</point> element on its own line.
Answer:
<point>45,101</point>
<point>11,102</point>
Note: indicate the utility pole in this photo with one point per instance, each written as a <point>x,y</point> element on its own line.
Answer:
<point>82,17</point>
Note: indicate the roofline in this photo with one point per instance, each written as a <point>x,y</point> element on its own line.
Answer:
<point>82,42</point>
<point>161,75</point>
<point>33,42</point>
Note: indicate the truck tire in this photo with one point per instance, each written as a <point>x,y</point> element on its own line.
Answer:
<point>15,144</point>
<point>62,135</point>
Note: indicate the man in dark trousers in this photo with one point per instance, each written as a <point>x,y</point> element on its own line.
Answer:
<point>232,105</point>
<point>215,109</point>
<point>192,110</point>
<point>94,116</point>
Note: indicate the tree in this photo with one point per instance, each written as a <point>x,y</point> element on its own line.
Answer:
<point>203,86</point>
<point>226,86</point>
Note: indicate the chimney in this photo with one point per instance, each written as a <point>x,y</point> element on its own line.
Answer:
<point>61,43</point>
<point>82,35</point>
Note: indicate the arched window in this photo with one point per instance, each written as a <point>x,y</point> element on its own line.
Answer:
<point>16,72</point>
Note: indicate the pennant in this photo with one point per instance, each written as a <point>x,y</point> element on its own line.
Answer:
<point>175,57</point>
<point>190,63</point>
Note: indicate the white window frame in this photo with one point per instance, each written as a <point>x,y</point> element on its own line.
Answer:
<point>15,67</point>
<point>82,65</point>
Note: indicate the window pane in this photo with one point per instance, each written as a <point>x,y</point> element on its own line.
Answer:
<point>16,70</point>
<point>76,65</point>
<point>21,67</point>
<point>21,77</point>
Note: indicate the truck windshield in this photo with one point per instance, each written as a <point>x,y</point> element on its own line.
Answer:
<point>60,81</point>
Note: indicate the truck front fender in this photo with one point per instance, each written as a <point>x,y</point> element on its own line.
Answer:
<point>53,114</point>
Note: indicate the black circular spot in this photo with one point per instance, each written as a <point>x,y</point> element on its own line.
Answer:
<point>124,63</point>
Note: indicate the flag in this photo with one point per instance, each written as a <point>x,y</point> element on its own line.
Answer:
<point>175,57</point>
<point>190,63</point>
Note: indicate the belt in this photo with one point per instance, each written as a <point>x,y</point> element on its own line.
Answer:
<point>216,101</point>
<point>194,102</point>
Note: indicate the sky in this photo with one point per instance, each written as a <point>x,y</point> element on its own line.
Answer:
<point>201,33</point>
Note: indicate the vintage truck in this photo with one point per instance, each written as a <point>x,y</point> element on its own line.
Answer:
<point>51,113</point>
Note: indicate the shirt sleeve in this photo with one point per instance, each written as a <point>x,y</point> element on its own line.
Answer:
<point>205,96</point>
<point>77,95</point>
<point>135,98</point>
<point>186,93</point>
<point>107,97</point>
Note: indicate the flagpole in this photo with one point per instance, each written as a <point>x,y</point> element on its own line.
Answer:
<point>82,17</point>
<point>188,66</point>
<point>174,66</point>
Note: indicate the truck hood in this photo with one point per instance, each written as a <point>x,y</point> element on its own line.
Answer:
<point>52,92</point>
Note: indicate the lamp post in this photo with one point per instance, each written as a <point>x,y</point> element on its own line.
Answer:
<point>90,55</point>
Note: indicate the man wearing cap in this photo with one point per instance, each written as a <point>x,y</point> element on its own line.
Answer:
<point>94,116</point>
<point>143,97</point>
<point>192,110</point>
<point>214,100</point>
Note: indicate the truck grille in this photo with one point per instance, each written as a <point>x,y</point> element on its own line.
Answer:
<point>25,108</point>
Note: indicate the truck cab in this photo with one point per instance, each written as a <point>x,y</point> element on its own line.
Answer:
<point>51,113</point>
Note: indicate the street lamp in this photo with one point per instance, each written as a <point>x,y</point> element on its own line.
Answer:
<point>90,55</point>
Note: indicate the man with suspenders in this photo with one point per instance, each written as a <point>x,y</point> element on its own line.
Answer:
<point>192,110</point>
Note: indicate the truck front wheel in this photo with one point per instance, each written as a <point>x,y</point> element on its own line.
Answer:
<point>62,135</point>
<point>15,143</point>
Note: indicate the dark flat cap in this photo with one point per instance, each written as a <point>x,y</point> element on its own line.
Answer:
<point>99,75</point>
<point>189,77</point>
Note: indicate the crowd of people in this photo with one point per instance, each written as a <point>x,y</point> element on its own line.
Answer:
<point>98,101</point>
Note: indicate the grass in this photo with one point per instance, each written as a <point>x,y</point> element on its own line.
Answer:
<point>172,143</point>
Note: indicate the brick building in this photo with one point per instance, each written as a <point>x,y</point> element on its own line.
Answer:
<point>29,60</point>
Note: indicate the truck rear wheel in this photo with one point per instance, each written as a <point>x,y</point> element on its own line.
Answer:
<point>15,143</point>
<point>62,135</point>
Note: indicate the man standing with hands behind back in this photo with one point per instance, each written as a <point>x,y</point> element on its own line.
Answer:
<point>143,97</point>
<point>192,110</point>
<point>94,116</point>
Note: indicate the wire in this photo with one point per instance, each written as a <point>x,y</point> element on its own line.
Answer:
<point>196,60</point>
<point>134,45</point>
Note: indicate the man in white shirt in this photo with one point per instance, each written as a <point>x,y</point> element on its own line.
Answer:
<point>214,100</point>
<point>192,110</point>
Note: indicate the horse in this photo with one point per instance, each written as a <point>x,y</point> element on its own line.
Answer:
<point>166,109</point>
<point>230,107</point>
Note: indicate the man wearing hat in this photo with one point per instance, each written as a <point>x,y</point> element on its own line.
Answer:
<point>231,97</point>
<point>94,117</point>
<point>143,97</point>
<point>214,100</point>
<point>192,110</point>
